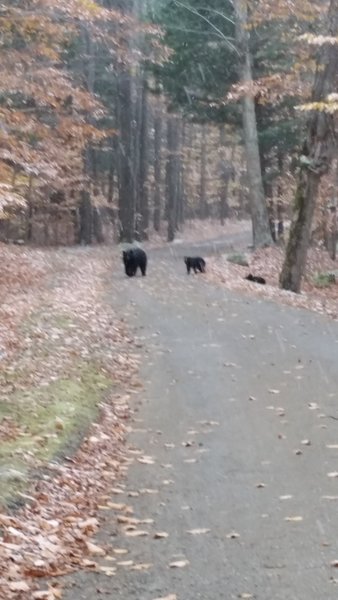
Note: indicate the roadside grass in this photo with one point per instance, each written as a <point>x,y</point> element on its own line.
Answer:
<point>43,421</point>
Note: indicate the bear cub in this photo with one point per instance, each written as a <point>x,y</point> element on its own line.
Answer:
<point>196,263</point>
<point>255,279</point>
<point>133,259</point>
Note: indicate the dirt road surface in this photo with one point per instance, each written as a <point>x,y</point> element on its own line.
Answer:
<point>239,416</point>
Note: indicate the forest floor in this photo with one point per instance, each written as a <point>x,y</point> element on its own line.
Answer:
<point>70,374</point>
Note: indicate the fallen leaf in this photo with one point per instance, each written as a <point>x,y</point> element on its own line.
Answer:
<point>141,567</point>
<point>117,506</point>
<point>18,586</point>
<point>125,563</point>
<point>136,533</point>
<point>108,571</point>
<point>232,535</point>
<point>120,551</point>
<point>132,520</point>
<point>94,549</point>
<point>197,531</point>
<point>117,491</point>
<point>146,460</point>
<point>160,535</point>
<point>329,497</point>
<point>178,564</point>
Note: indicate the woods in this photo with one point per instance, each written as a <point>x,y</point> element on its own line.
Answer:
<point>132,105</point>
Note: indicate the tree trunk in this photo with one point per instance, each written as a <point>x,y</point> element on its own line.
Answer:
<point>97,226</point>
<point>110,192</point>
<point>181,190</point>
<point>143,200</point>
<point>126,204</point>
<point>259,214</point>
<point>172,174</point>
<point>86,218</point>
<point>203,203</point>
<point>226,170</point>
<point>157,171</point>
<point>314,162</point>
<point>280,219</point>
<point>332,232</point>
<point>30,209</point>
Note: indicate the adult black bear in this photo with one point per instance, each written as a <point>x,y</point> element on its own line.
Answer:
<point>196,263</point>
<point>255,279</point>
<point>133,259</point>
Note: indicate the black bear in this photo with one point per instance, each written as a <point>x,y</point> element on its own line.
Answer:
<point>255,279</point>
<point>133,259</point>
<point>195,262</point>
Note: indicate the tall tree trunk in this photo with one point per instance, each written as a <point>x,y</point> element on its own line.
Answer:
<point>110,192</point>
<point>86,218</point>
<point>314,162</point>
<point>225,168</point>
<point>30,209</point>
<point>179,202</point>
<point>172,174</point>
<point>157,171</point>
<point>259,214</point>
<point>126,205</point>
<point>189,143</point>
<point>143,200</point>
<point>203,203</point>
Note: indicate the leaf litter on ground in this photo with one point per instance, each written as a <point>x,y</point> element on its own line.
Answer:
<point>52,534</point>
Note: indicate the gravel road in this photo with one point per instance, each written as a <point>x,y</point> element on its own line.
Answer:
<point>236,413</point>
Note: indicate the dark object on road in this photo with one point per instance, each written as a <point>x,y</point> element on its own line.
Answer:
<point>133,259</point>
<point>255,279</point>
<point>195,262</point>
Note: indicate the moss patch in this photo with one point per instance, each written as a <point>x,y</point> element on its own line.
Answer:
<point>238,259</point>
<point>323,280</point>
<point>49,419</point>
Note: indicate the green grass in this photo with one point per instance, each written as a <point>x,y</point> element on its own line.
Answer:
<point>51,419</point>
<point>324,280</point>
<point>238,259</point>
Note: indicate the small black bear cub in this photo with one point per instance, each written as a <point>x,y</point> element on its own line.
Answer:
<point>195,262</point>
<point>255,279</point>
<point>133,259</point>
